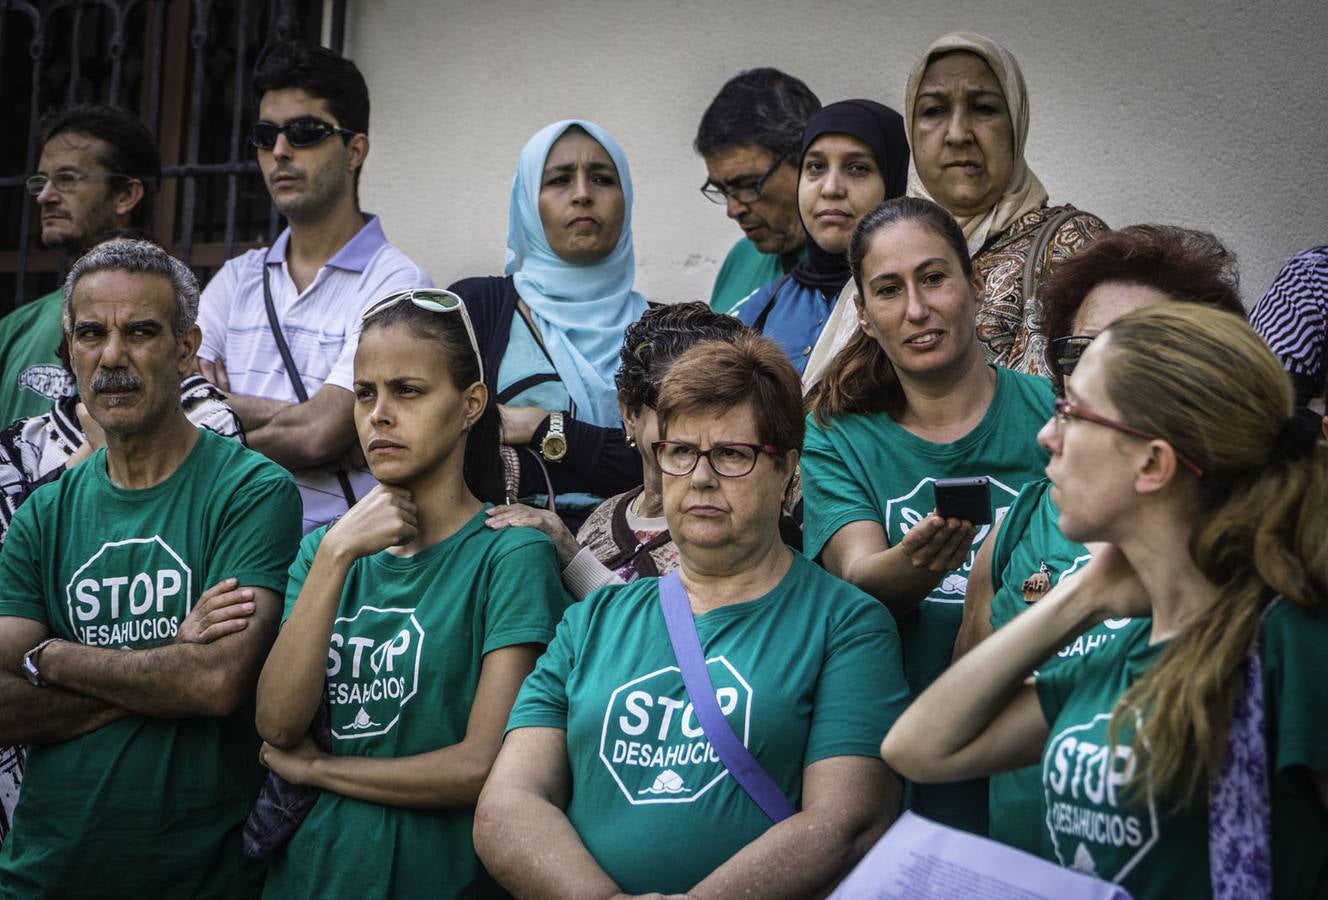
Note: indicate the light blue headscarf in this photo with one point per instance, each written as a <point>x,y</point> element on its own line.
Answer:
<point>582,310</point>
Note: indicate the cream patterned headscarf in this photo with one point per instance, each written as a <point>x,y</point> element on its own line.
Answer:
<point>1025,192</point>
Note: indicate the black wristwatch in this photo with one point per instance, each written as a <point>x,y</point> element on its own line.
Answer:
<point>30,663</point>
<point>554,446</point>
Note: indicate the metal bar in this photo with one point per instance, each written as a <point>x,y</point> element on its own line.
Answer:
<point>338,37</point>
<point>36,49</point>
<point>175,37</point>
<point>75,39</point>
<point>155,42</point>
<point>115,46</point>
<point>237,107</point>
<point>190,169</point>
<point>197,41</point>
<point>285,20</point>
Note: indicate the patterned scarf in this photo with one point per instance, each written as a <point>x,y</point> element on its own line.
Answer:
<point>1239,807</point>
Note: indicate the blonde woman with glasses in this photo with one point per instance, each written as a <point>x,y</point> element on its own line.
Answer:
<point>1186,759</point>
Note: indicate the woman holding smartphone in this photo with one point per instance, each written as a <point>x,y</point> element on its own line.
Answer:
<point>909,400</point>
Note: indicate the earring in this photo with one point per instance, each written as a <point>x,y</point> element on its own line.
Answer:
<point>631,441</point>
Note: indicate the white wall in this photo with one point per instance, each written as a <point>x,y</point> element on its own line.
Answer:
<point>1205,113</point>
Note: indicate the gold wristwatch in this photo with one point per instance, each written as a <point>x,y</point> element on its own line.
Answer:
<point>554,446</point>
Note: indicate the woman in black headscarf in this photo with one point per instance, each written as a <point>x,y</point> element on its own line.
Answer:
<point>854,157</point>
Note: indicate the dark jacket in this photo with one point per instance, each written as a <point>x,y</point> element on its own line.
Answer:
<point>598,460</point>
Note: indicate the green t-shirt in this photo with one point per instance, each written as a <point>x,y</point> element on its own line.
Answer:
<point>31,376</point>
<point>744,270</point>
<point>142,807</point>
<point>1030,541</point>
<point>1094,825</point>
<point>866,467</point>
<point>809,671</point>
<point>403,665</point>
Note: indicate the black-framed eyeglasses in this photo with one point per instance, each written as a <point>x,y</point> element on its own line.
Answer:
<point>1066,352</point>
<point>299,133</point>
<point>1065,410</point>
<point>66,180</point>
<point>747,193</point>
<point>731,459</point>
<point>434,300</point>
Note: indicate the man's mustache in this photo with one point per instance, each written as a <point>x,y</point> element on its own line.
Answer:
<point>115,380</point>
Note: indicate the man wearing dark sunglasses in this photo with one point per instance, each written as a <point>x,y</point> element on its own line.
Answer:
<point>97,173</point>
<point>296,306</point>
<point>749,138</point>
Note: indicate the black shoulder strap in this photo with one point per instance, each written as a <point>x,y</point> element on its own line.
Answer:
<point>524,312</point>
<point>297,383</point>
<point>758,324</point>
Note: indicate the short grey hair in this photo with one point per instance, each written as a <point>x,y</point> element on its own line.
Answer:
<point>126,255</point>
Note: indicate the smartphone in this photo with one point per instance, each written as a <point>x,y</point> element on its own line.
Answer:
<point>964,498</point>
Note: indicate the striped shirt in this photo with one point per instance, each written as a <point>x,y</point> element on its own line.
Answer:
<point>1292,317</point>
<point>321,326</point>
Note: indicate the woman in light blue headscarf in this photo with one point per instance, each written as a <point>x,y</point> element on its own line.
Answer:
<point>552,327</point>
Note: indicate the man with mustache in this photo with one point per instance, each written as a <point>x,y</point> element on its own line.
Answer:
<point>749,137</point>
<point>98,172</point>
<point>330,263</point>
<point>131,686</point>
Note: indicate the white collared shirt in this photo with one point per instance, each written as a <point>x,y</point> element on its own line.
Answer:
<point>321,326</point>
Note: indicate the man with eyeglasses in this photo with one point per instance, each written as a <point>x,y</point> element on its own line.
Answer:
<point>297,304</point>
<point>749,138</point>
<point>97,173</point>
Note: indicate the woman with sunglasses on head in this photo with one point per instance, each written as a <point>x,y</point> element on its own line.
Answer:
<point>421,622</point>
<point>552,325</point>
<point>1187,758</point>
<point>626,537</point>
<point>909,400</point>
<point>1026,554</point>
<point>618,772</point>
<point>854,156</point>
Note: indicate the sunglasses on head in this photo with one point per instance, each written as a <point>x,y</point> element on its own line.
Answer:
<point>1066,351</point>
<point>299,133</point>
<point>433,300</point>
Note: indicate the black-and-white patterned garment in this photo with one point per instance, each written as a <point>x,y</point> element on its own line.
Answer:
<point>1292,317</point>
<point>33,451</point>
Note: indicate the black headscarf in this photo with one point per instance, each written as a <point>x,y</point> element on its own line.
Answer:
<point>880,128</point>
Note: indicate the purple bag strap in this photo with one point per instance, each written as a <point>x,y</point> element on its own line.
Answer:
<point>749,773</point>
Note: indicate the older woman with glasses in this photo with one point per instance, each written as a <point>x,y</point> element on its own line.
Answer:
<point>1026,554</point>
<point>552,325</point>
<point>706,731</point>
<point>417,621</point>
<point>627,537</point>
<point>1186,757</point>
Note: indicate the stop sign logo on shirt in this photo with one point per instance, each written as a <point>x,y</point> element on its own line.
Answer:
<point>652,742</point>
<point>1086,778</point>
<point>131,593</point>
<point>373,670</point>
<point>902,513</point>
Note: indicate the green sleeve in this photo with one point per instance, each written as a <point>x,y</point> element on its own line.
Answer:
<point>20,568</point>
<point>832,496</point>
<point>526,596</point>
<point>260,531</point>
<point>1296,670</point>
<point>543,701</point>
<point>861,690</point>
<point>299,568</point>
<point>1053,686</point>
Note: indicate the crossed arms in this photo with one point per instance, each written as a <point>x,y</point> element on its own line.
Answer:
<point>209,670</point>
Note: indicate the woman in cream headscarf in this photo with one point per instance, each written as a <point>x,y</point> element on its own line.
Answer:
<point>966,111</point>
